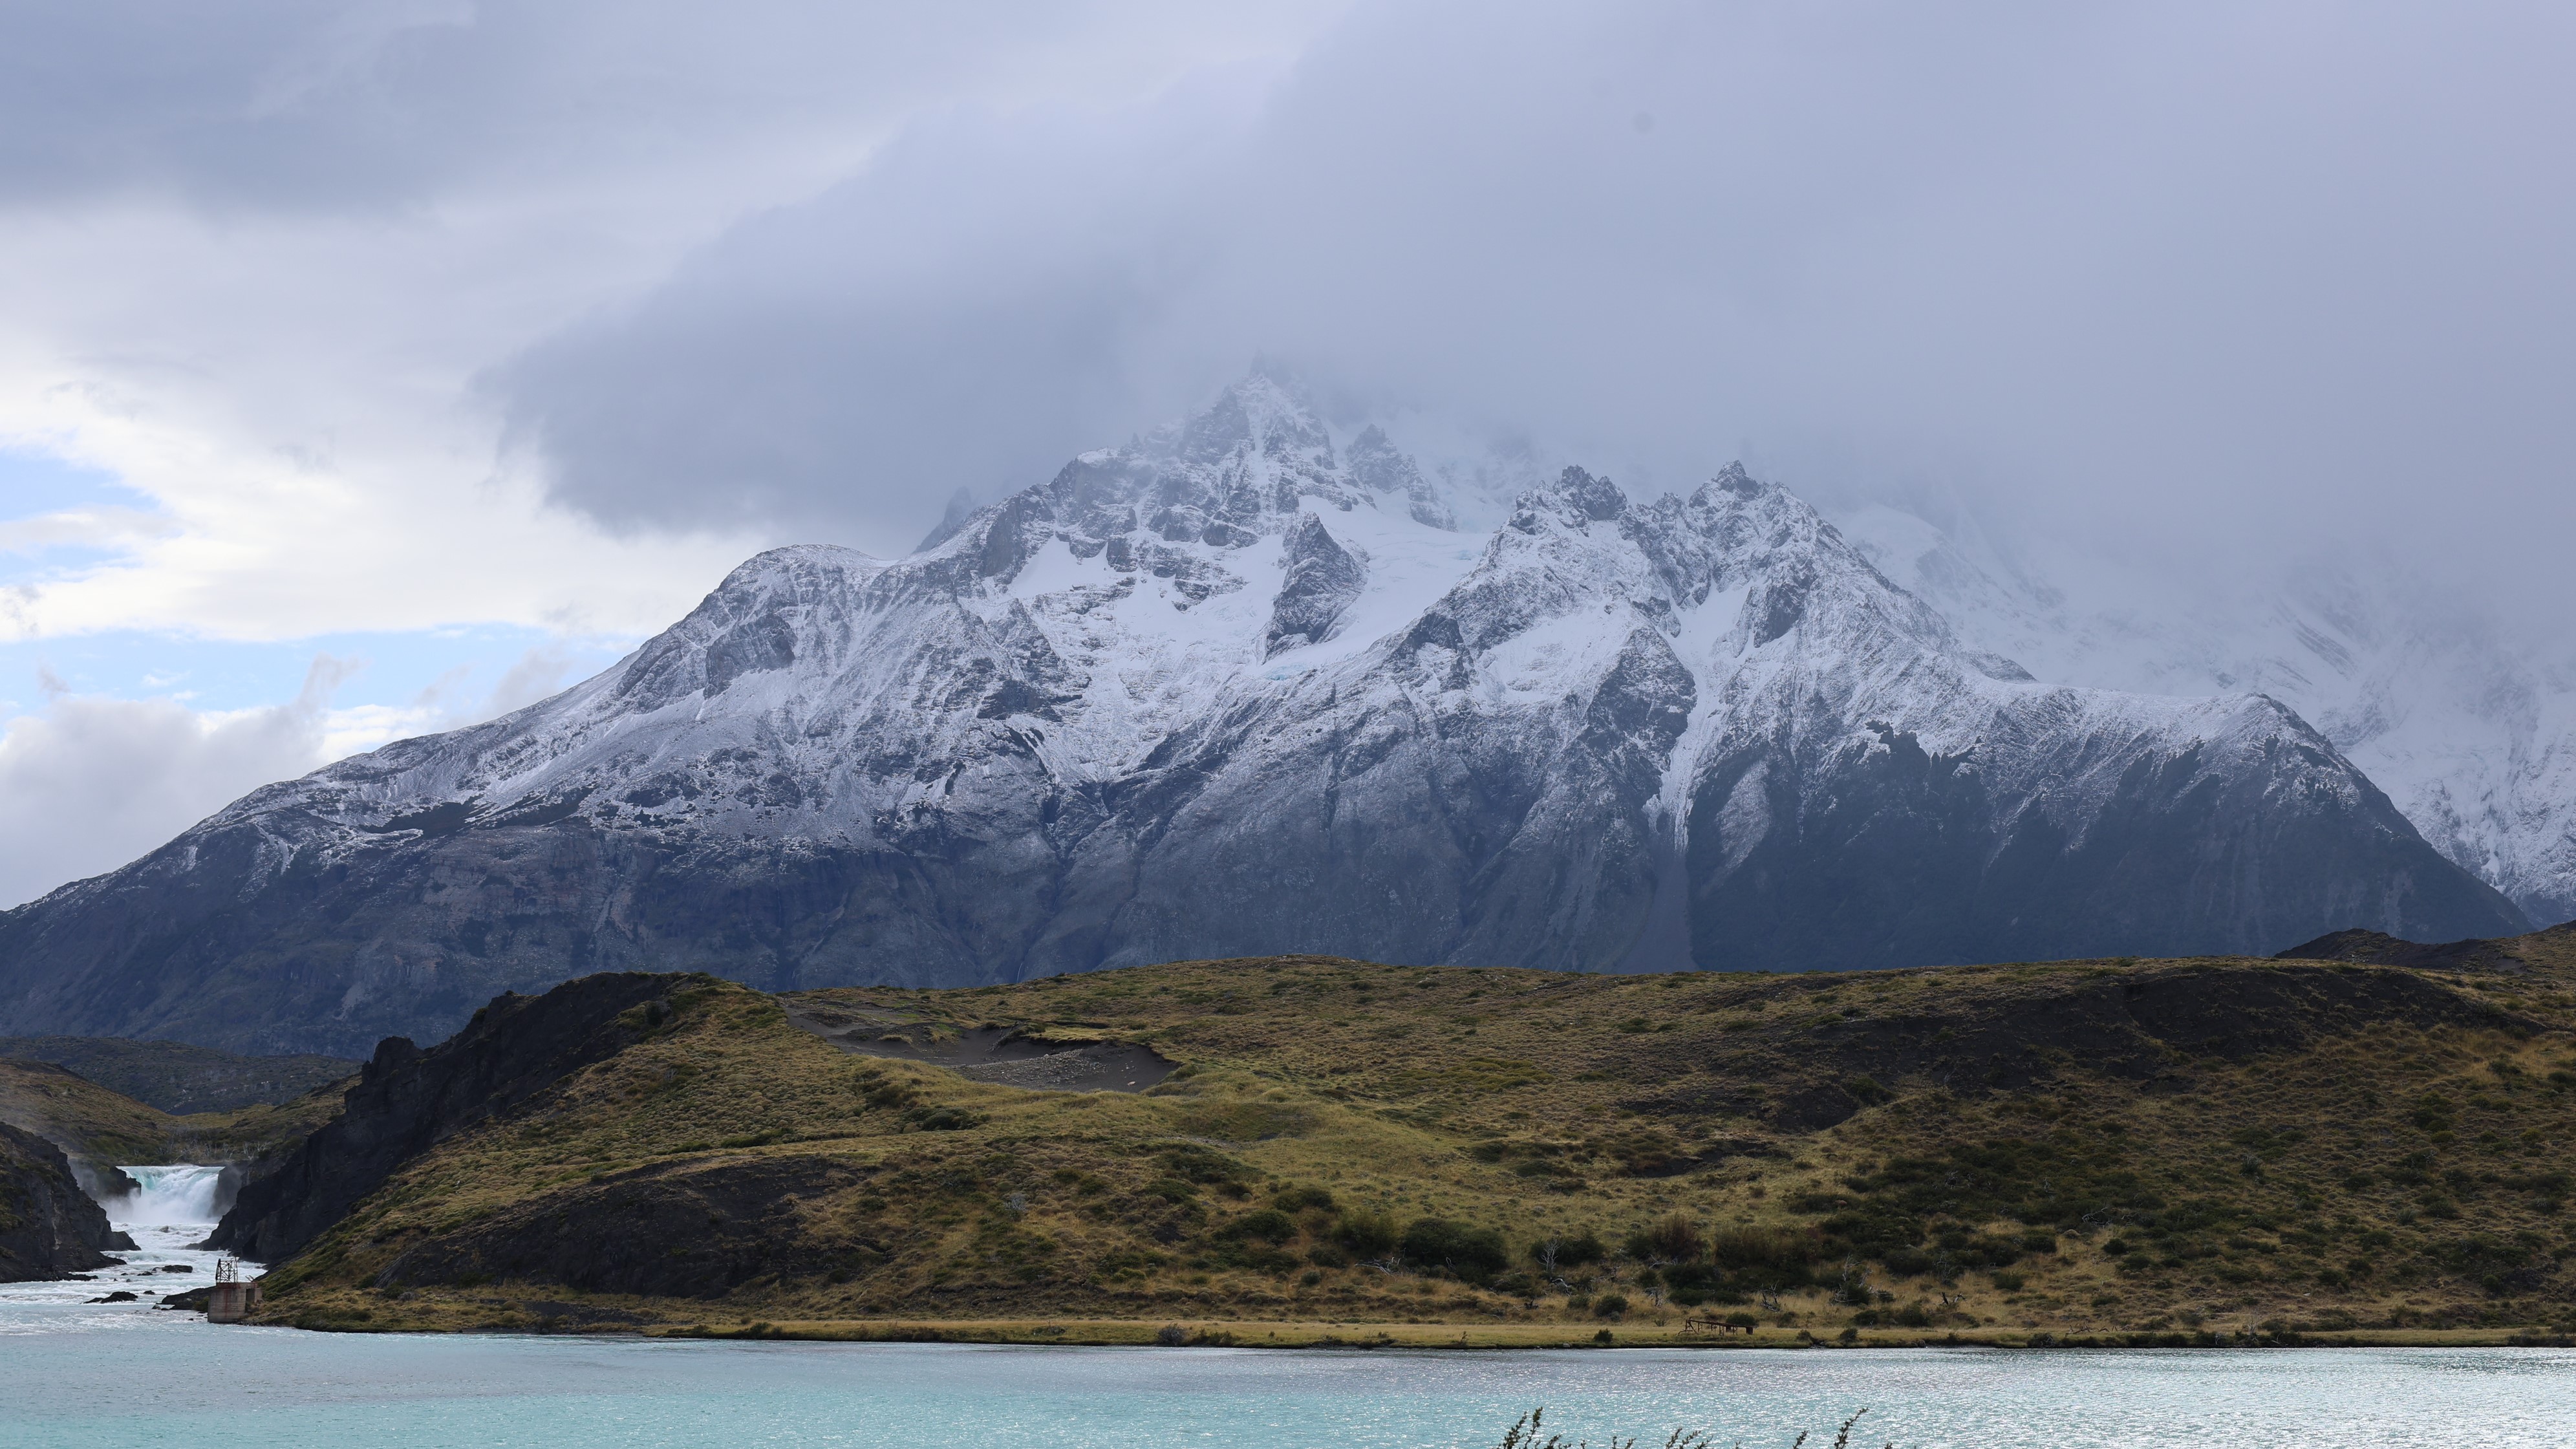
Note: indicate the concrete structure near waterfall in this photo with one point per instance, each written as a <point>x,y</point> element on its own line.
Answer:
<point>232,1298</point>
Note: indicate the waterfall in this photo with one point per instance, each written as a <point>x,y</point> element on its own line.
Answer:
<point>169,1195</point>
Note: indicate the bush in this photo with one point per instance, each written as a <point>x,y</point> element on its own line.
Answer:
<point>1574,1252</point>
<point>1765,1257</point>
<point>1170,1189</point>
<point>1257,1255</point>
<point>1197,1164</point>
<point>1675,1239</point>
<point>1369,1234</point>
<point>1474,1254</point>
<point>942,1119</point>
<point>2009,1282</point>
<point>1298,1199</point>
<point>1268,1224</point>
<point>1327,1256</point>
<point>1761,1247</point>
<point>1609,1305</point>
<point>1979,1250</point>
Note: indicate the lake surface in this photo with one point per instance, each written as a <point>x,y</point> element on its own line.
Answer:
<point>102,1378</point>
<point>75,1375</point>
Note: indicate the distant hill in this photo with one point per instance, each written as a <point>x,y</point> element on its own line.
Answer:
<point>101,1130</point>
<point>178,1078</point>
<point>1305,1149</point>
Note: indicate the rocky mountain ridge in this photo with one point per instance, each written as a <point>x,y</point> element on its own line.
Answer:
<point>1236,690</point>
<point>2469,725</point>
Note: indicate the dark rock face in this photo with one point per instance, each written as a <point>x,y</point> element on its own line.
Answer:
<point>1922,862</point>
<point>685,1230</point>
<point>49,1228</point>
<point>407,1101</point>
<point>1088,729</point>
<point>1322,581</point>
<point>1376,464</point>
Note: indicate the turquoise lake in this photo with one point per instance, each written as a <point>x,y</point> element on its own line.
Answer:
<point>75,1376</point>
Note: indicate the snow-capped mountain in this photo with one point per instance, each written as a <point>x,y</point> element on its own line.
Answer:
<point>1240,688</point>
<point>2470,727</point>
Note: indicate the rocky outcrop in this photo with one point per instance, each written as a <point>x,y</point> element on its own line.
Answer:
<point>1376,463</point>
<point>1322,581</point>
<point>693,1229</point>
<point>49,1228</point>
<point>408,1100</point>
<point>1224,692</point>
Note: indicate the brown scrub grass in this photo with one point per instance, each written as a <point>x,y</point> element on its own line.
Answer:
<point>2388,1178</point>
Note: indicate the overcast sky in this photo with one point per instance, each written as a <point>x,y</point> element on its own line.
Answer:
<point>367,368</point>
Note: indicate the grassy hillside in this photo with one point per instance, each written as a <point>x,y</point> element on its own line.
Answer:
<point>2097,1149</point>
<point>97,1126</point>
<point>178,1078</point>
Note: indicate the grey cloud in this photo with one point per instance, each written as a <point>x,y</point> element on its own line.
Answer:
<point>535,675</point>
<point>383,103</point>
<point>2211,279</point>
<point>90,783</point>
<point>979,303</point>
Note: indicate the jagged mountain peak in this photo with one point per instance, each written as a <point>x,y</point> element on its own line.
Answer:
<point>1262,416</point>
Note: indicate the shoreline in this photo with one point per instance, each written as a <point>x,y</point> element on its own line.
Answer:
<point>1363,1336</point>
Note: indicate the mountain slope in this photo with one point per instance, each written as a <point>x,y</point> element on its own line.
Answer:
<point>1231,690</point>
<point>2465,718</point>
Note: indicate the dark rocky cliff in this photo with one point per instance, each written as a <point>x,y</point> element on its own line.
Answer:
<point>49,1228</point>
<point>408,1100</point>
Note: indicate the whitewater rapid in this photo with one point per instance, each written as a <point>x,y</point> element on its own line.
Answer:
<point>174,1207</point>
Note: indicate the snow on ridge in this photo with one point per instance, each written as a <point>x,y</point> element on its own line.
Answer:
<point>2469,728</point>
<point>1083,622</point>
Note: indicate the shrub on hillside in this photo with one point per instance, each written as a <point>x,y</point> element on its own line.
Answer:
<point>1674,1239</point>
<point>1474,1254</point>
<point>1368,1234</point>
<point>1267,1224</point>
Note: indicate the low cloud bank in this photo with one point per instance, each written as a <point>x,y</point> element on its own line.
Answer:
<point>2216,282</point>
